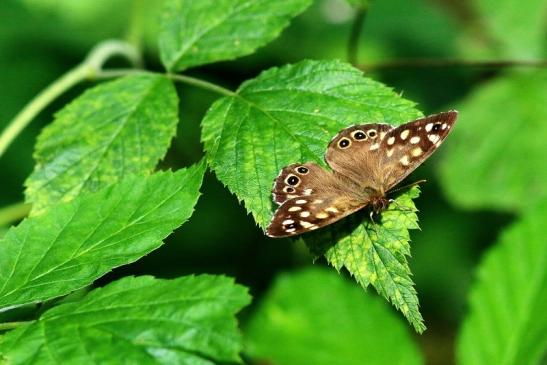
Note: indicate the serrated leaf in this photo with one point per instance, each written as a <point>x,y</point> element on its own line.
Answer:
<point>113,130</point>
<point>335,324</point>
<point>142,320</point>
<point>507,323</point>
<point>376,253</point>
<point>206,31</point>
<point>495,156</point>
<point>288,115</point>
<point>73,244</point>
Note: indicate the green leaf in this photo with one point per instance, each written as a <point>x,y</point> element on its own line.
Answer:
<point>507,323</point>
<point>73,244</point>
<point>200,32</point>
<point>335,324</point>
<point>376,253</point>
<point>142,320</point>
<point>116,129</point>
<point>493,159</point>
<point>288,115</point>
<point>506,28</point>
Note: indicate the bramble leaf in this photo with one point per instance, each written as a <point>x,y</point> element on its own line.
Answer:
<point>206,31</point>
<point>113,130</point>
<point>335,324</point>
<point>74,243</point>
<point>507,323</point>
<point>137,320</point>
<point>493,159</point>
<point>288,115</point>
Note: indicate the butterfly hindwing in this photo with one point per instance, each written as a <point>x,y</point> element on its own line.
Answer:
<point>304,214</point>
<point>297,180</point>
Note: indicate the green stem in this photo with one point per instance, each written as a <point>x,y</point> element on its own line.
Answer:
<point>11,325</point>
<point>39,102</point>
<point>135,28</point>
<point>13,213</point>
<point>202,84</point>
<point>86,70</point>
<point>356,29</point>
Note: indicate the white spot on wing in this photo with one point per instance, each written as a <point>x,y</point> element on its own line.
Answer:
<point>301,201</point>
<point>416,152</point>
<point>287,221</point>
<point>374,147</point>
<point>404,160</point>
<point>332,210</point>
<point>415,140</point>
<point>404,134</point>
<point>306,224</point>
<point>433,138</point>
<point>390,140</point>
<point>321,215</point>
<point>294,209</point>
<point>428,127</point>
<point>305,214</point>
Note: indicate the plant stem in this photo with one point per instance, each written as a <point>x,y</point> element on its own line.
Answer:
<point>13,213</point>
<point>356,29</point>
<point>38,103</point>
<point>11,325</point>
<point>450,62</point>
<point>86,70</point>
<point>135,27</point>
<point>202,84</point>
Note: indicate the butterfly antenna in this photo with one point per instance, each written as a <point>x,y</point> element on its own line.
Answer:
<point>409,185</point>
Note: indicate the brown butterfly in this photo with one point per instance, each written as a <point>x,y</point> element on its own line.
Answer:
<point>367,160</point>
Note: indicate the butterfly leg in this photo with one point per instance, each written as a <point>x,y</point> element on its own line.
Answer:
<point>401,209</point>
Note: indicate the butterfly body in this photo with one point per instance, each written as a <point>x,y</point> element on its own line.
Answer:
<point>367,161</point>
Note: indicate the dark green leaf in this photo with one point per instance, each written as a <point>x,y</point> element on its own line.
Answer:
<point>73,244</point>
<point>288,115</point>
<point>116,129</point>
<point>336,324</point>
<point>496,154</point>
<point>140,320</point>
<point>507,323</point>
<point>205,31</point>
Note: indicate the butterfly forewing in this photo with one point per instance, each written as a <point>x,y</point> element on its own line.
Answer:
<point>405,148</point>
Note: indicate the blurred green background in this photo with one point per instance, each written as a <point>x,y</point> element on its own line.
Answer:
<point>42,39</point>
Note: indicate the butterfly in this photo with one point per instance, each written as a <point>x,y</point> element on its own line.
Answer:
<point>367,161</point>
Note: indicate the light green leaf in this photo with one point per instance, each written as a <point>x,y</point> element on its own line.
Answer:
<point>507,323</point>
<point>116,129</point>
<point>376,253</point>
<point>506,29</point>
<point>336,324</point>
<point>142,320</point>
<point>73,244</point>
<point>497,149</point>
<point>200,32</point>
<point>288,115</point>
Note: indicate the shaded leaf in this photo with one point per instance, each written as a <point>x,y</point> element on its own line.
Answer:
<point>507,323</point>
<point>288,115</point>
<point>142,320</point>
<point>335,324</point>
<point>73,244</point>
<point>113,130</point>
<point>200,32</point>
<point>494,158</point>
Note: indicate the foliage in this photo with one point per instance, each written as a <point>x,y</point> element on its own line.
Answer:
<point>187,320</point>
<point>507,323</point>
<point>345,326</point>
<point>109,185</point>
<point>504,151</point>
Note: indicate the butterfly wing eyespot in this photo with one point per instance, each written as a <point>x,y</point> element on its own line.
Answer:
<point>302,170</point>
<point>359,135</point>
<point>344,143</point>
<point>372,133</point>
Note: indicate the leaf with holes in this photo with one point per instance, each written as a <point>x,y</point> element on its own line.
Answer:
<point>75,243</point>
<point>503,168</point>
<point>113,130</point>
<point>336,324</point>
<point>507,323</point>
<point>288,115</point>
<point>200,32</point>
<point>138,320</point>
